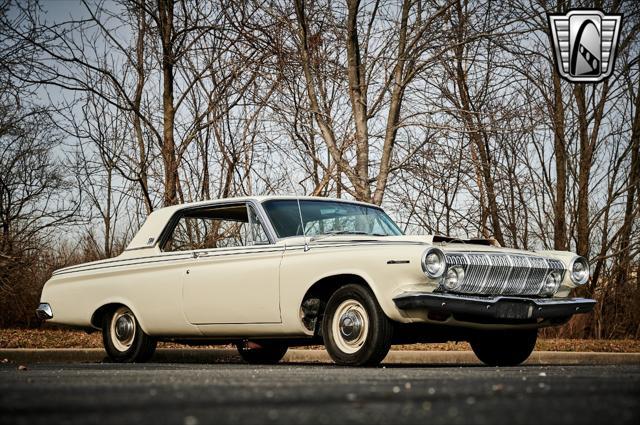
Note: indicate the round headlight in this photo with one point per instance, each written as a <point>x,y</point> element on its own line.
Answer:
<point>551,283</point>
<point>579,271</point>
<point>453,278</point>
<point>433,263</point>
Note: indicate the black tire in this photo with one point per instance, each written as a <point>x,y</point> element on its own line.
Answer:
<point>264,352</point>
<point>504,348</point>
<point>347,339</point>
<point>138,347</point>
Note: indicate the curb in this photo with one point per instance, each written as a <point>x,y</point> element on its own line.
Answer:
<point>190,355</point>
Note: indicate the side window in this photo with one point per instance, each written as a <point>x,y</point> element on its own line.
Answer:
<point>217,227</point>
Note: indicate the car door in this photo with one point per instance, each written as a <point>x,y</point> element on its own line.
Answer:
<point>233,282</point>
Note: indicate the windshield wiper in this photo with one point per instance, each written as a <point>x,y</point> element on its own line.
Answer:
<point>321,236</point>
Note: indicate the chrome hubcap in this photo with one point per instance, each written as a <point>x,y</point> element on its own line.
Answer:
<point>123,329</point>
<point>350,326</point>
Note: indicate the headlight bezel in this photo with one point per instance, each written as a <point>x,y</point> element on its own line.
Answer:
<point>580,260</point>
<point>550,291</point>
<point>443,263</point>
<point>459,276</point>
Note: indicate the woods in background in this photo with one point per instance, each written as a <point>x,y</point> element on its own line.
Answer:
<point>449,113</point>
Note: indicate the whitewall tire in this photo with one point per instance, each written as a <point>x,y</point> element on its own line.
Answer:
<point>123,338</point>
<point>355,330</point>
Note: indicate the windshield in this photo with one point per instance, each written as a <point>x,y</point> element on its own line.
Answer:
<point>327,218</point>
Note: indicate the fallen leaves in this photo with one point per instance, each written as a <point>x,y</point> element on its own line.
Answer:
<point>543,344</point>
<point>48,338</point>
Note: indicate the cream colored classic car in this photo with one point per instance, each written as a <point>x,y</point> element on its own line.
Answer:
<point>268,273</point>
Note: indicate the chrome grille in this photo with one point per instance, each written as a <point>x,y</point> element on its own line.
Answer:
<point>503,274</point>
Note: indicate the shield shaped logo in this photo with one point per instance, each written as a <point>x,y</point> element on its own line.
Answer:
<point>585,44</point>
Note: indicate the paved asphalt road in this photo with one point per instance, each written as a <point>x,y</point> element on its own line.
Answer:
<point>194,394</point>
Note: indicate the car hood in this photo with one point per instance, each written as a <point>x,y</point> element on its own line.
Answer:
<point>410,239</point>
<point>442,242</point>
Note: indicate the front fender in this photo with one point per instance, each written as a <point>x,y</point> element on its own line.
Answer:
<point>385,268</point>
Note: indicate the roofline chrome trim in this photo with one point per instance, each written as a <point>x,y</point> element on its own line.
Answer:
<point>171,222</point>
<point>255,201</point>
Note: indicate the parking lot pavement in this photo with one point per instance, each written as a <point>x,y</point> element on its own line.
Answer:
<point>193,394</point>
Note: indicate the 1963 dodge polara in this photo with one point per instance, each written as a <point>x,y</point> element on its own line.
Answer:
<point>268,273</point>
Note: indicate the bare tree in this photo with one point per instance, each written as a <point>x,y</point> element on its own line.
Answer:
<point>448,112</point>
<point>405,45</point>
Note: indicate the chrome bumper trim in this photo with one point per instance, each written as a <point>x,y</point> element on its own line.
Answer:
<point>496,307</point>
<point>44,311</point>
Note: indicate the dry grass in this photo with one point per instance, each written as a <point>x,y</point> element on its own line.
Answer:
<point>63,338</point>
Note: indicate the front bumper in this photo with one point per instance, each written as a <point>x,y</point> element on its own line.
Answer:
<point>496,308</point>
<point>44,312</point>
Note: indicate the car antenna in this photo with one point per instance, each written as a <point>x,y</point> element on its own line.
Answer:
<point>304,235</point>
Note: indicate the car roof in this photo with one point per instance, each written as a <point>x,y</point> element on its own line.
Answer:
<point>150,231</point>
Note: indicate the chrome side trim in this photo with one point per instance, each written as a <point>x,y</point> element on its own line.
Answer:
<point>187,255</point>
<point>167,257</point>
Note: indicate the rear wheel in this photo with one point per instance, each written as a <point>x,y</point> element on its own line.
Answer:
<point>504,348</point>
<point>123,338</point>
<point>355,330</point>
<point>267,352</point>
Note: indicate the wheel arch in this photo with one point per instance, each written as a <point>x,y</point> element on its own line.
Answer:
<point>107,307</point>
<point>322,289</point>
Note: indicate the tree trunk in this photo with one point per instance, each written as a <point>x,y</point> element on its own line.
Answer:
<point>137,102</point>
<point>586,157</point>
<point>165,9</point>
<point>475,129</point>
<point>358,96</point>
<point>107,215</point>
<point>560,150</point>
<point>321,118</point>
<point>206,186</point>
<point>393,117</point>
<point>631,207</point>
<point>588,140</point>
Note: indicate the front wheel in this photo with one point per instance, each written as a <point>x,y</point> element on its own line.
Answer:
<point>123,338</point>
<point>504,348</point>
<point>355,330</point>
